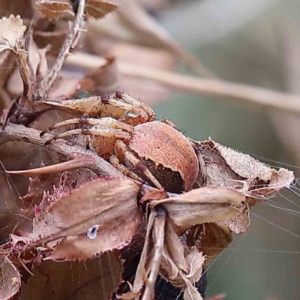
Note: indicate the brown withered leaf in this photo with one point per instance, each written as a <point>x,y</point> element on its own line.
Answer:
<point>100,215</point>
<point>92,279</point>
<point>55,9</point>
<point>227,167</point>
<point>203,205</point>
<point>99,8</point>
<point>180,264</point>
<point>10,279</point>
<point>195,261</point>
<point>210,239</point>
<point>59,9</point>
<point>54,184</point>
<point>240,223</point>
<point>11,31</point>
<point>38,68</point>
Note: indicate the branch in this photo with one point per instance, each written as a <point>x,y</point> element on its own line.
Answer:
<point>14,132</point>
<point>69,43</point>
<point>209,87</point>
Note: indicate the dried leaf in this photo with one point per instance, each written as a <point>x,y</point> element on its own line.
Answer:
<point>99,8</point>
<point>11,32</point>
<point>10,279</point>
<point>240,223</point>
<point>175,247</point>
<point>227,167</point>
<point>210,239</point>
<point>55,9</point>
<point>74,280</point>
<point>195,262</point>
<point>202,205</point>
<point>191,293</point>
<point>105,207</point>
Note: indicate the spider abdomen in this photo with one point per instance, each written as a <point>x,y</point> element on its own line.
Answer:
<point>167,153</point>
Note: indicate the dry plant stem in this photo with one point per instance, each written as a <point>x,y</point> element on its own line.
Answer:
<point>159,234</point>
<point>22,63</point>
<point>209,87</point>
<point>69,43</point>
<point>13,132</point>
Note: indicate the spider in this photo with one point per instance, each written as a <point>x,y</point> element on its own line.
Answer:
<point>124,131</point>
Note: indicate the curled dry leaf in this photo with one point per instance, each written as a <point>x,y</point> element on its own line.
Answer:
<point>179,261</point>
<point>207,204</point>
<point>227,167</point>
<point>58,9</point>
<point>55,9</point>
<point>100,215</point>
<point>11,31</point>
<point>10,280</point>
<point>99,8</point>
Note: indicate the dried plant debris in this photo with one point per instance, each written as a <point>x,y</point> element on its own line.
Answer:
<point>60,9</point>
<point>230,168</point>
<point>94,225</point>
<point>10,281</point>
<point>100,215</point>
<point>11,32</point>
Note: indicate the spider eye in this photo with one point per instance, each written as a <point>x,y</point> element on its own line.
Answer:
<point>92,232</point>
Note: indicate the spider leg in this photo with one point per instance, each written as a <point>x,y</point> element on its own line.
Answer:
<point>119,106</point>
<point>116,163</point>
<point>139,112</point>
<point>124,155</point>
<point>104,122</point>
<point>104,132</point>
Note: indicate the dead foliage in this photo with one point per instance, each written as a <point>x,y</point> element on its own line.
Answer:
<point>88,209</point>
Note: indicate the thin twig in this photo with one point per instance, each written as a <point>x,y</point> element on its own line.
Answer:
<point>14,132</point>
<point>209,87</point>
<point>69,43</point>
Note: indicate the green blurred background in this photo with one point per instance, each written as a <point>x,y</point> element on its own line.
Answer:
<point>255,42</point>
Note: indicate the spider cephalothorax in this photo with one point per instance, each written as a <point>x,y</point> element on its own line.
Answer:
<point>123,130</point>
